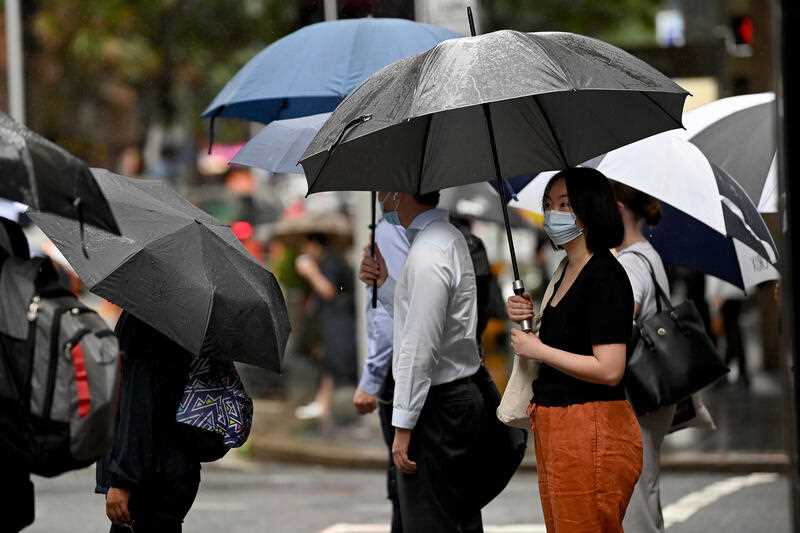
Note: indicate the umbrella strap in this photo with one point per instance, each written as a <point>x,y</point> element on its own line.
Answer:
<point>78,205</point>
<point>350,125</point>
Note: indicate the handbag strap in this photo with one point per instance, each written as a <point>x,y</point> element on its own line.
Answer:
<point>661,294</point>
<point>558,275</point>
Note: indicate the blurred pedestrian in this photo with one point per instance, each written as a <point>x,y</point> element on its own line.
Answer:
<point>376,386</point>
<point>588,443</point>
<point>152,473</point>
<point>331,282</point>
<point>438,411</point>
<point>16,490</point>
<point>726,302</point>
<point>641,262</point>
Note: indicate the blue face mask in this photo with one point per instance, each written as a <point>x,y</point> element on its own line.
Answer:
<point>390,215</point>
<point>561,227</point>
<point>392,218</point>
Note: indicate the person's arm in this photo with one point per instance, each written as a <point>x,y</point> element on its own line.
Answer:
<point>379,359</point>
<point>606,366</point>
<point>309,269</point>
<point>639,276</point>
<point>428,279</point>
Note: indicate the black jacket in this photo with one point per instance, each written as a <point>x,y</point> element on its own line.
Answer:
<point>149,451</point>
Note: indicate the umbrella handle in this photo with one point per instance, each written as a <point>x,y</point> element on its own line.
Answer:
<point>519,290</point>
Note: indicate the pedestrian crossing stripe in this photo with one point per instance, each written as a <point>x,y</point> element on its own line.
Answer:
<point>385,528</point>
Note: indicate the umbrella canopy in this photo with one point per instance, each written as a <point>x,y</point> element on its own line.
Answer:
<point>708,221</point>
<point>279,146</point>
<point>557,99</point>
<point>44,176</point>
<point>738,135</point>
<point>478,201</point>
<point>180,270</point>
<point>311,70</point>
<point>334,225</point>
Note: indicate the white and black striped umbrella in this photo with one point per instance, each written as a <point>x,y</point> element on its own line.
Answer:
<point>708,222</point>
<point>738,135</point>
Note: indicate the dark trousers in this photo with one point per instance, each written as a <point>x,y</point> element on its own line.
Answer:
<point>443,444</point>
<point>734,342</point>
<point>18,501</point>
<point>160,510</point>
<point>385,398</point>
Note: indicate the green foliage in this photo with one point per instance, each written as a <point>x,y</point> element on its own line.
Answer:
<point>622,22</point>
<point>147,55</point>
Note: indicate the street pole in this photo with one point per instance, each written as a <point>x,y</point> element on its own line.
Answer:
<point>16,80</point>
<point>789,139</point>
<point>331,10</point>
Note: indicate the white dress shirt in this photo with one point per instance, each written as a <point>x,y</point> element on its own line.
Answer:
<point>393,244</point>
<point>435,312</point>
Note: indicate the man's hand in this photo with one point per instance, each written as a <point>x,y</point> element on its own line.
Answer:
<point>402,439</point>
<point>373,268</point>
<point>364,403</point>
<point>117,506</point>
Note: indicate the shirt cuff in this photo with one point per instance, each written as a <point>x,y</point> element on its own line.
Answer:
<point>404,419</point>
<point>386,295</point>
<point>370,384</point>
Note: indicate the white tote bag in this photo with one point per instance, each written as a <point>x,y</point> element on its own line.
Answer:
<point>513,408</point>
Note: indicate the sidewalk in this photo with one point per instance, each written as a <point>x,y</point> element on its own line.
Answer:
<point>749,437</point>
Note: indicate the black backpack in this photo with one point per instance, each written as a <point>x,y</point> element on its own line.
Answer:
<point>62,369</point>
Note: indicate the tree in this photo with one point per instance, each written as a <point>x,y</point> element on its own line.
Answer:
<point>621,22</point>
<point>106,72</point>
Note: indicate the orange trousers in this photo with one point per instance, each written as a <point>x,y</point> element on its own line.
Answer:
<point>588,457</point>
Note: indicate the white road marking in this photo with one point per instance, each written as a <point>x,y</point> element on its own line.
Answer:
<point>683,509</point>
<point>384,528</point>
<point>675,513</point>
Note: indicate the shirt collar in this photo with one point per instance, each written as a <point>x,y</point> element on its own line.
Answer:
<point>423,220</point>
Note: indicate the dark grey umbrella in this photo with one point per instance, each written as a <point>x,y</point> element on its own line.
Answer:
<point>44,176</point>
<point>497,105</point>
<point>180,270</point>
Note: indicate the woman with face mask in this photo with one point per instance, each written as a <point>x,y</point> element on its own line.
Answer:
<point>587,439</point>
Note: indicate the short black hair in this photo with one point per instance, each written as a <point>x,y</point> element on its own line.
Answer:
<point>319,238</point>
<point>594,204</point>
<point>430,198</point>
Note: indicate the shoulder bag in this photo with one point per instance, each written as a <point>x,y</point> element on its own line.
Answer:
<point>671,356</point>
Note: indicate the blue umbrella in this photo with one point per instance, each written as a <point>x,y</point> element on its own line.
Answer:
<point>280,145</point>
<point>311,70</point>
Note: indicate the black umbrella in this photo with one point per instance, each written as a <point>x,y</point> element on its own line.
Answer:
<point>44,176</point>
<point>180,270</point>
<point>502,104</point>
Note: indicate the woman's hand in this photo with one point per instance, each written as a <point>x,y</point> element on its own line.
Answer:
<point>526,345</point>
<point>373,269</point>
<point>520,308</point>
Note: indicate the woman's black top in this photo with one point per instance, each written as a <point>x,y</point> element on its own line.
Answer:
<point>597,309</point>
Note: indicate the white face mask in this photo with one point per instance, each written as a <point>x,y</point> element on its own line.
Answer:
<point>561,227</point>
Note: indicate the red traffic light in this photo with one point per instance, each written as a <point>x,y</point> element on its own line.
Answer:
<point>742,29</point>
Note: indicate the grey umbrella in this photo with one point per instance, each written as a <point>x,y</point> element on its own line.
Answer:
<point>180,270</point>
<point>478,201</point>
<point>502,104</point>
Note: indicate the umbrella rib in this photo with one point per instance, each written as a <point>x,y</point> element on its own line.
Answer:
<point>552,131</point>
<point>424,154</point>
<point>353,123</point>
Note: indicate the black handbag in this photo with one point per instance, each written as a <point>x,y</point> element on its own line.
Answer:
<point>671,355</point>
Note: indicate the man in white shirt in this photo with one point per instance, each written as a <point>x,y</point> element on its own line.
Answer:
<point>438,411</point>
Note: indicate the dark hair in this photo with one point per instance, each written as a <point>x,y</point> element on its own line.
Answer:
<point>592,200</point>
<point>318,238</point>
<point>642,205</point>
<point>430,198</point>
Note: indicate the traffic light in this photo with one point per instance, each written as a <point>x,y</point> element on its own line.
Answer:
<point>742,28</point>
